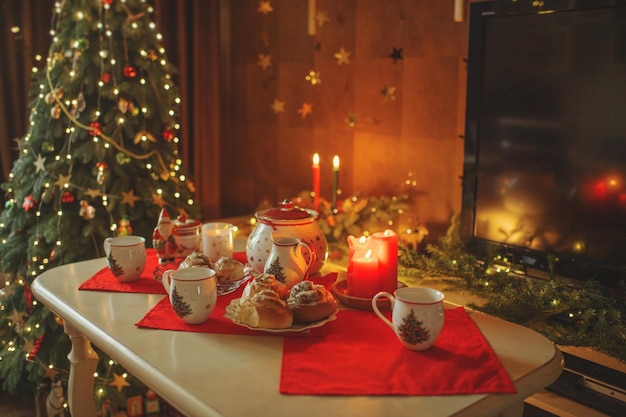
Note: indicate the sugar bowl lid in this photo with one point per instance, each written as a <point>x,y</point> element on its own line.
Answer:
<point>286,211</point>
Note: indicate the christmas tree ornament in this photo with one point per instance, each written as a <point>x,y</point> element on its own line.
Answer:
<point>29,202</point>
<point>124,229</point>
<point>122,105</point>
<point>101,166</point>
<point>143,136</point>
<point>95,128</point>
<point>106,77</point>
<point>168,134</point>
<point>119,382</point>
<point>86,211</point>
<point>122,158</point>
<point>67,197</point>
<point>129,71</point>
<point>55,112</point>
<point>47,147</point>
<point>78,105</point>
<point>40,163</point>
<point>129,197</point>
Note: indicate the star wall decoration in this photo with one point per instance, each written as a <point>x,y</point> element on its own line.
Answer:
<point>396,54</point>
<point>265,7</point>
<point>351,119</point>
<point>389,93</point>
<point>343,56</point>
<point>265,61</point>
<point>313,77</point>
<point>278,106</point>
<point>322,18</point>
<point>39,163</point>
<point>307,108</point>
<point>129,198</point>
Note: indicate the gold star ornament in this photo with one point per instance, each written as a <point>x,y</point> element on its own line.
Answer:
<point>119,382</point>
<point>278,106</point>
<point>307,108</point>
<point>129,198</point>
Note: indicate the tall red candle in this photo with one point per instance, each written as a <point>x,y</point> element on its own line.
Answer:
<point>316,182</point>
<point>386,244</point>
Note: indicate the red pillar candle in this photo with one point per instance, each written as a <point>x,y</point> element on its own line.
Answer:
<point>335,182</point>
<point>386,244</point>
<point>365,270</point>
<point>316,182</point>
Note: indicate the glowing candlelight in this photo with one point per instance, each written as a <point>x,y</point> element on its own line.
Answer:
<point>316,181</point>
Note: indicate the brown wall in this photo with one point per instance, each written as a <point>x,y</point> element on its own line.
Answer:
<point>268,156</point>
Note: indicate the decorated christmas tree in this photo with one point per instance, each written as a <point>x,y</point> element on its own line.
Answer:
<point>100,151</point>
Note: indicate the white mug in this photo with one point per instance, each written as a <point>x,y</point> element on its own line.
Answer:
<point>192,293</point>
<point>417,315</point>
<point>126,257</point>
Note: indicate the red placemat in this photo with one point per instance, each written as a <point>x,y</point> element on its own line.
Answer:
<point>162,316</point>
<point>360,355</point>
<point>104,280</point>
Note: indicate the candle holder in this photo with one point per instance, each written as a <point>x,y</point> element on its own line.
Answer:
<point>340,291</point>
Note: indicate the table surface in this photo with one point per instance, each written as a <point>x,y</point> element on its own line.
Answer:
<point>229,375</point>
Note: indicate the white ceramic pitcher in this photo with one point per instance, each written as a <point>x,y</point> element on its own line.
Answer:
<point>286,260</point>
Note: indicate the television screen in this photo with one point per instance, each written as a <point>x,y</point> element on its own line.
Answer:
<point>545,156</point>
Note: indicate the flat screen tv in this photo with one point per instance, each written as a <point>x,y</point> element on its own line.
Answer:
<point>545,141</point>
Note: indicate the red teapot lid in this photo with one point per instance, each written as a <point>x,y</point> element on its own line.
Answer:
<point>286,210</point>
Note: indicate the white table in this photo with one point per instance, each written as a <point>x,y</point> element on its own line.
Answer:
<point>227,375</point>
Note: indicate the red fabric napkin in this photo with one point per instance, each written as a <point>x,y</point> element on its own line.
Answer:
<point>162,316</point>
<point>360,355</point>
<point>104,280</point>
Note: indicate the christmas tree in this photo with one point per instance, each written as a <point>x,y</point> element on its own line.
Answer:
<point>101,146</point>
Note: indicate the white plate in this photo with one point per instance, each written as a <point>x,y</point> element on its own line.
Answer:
<point>232,311</point>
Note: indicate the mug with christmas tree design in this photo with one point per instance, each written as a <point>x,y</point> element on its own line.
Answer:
<point>417,315</point>
<point>126,257</point>
<point>192,293</point>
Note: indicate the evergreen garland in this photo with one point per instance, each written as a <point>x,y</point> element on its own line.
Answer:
<point>566,313</point>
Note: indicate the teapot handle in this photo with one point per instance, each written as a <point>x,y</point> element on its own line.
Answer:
<point>311,256</point>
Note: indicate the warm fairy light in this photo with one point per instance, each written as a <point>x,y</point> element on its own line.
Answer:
<point>177,194</point>
<point>190,202</point>
<point>80,15</point>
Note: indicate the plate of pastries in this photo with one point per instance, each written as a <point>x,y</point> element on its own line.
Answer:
<point>230,273</point>
<point>267,304</point>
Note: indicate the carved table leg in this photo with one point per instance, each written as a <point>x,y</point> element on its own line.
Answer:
<point>83,361</point>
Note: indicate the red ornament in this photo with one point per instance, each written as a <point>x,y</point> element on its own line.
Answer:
<point>129,71</point>
<point>168,134</point>
<point>29,203</point>
<point>96,128</point>
<point>106,77</point>
<point>67,197</point>
<point>107,2</point>
<point>36,346</point>
<point>28,295</point>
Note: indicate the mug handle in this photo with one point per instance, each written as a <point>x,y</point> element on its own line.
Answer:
<point>107,246</point>
<point>377,311</point>
<point>165,279</point>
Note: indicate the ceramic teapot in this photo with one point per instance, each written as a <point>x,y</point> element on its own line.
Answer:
<point>292,220</point>
<point>289,260</point>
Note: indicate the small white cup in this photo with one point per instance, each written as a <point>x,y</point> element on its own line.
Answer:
<point>217,240</point>
<point>417,315</point>
<point>192,293</point>
<point>126,257</point>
